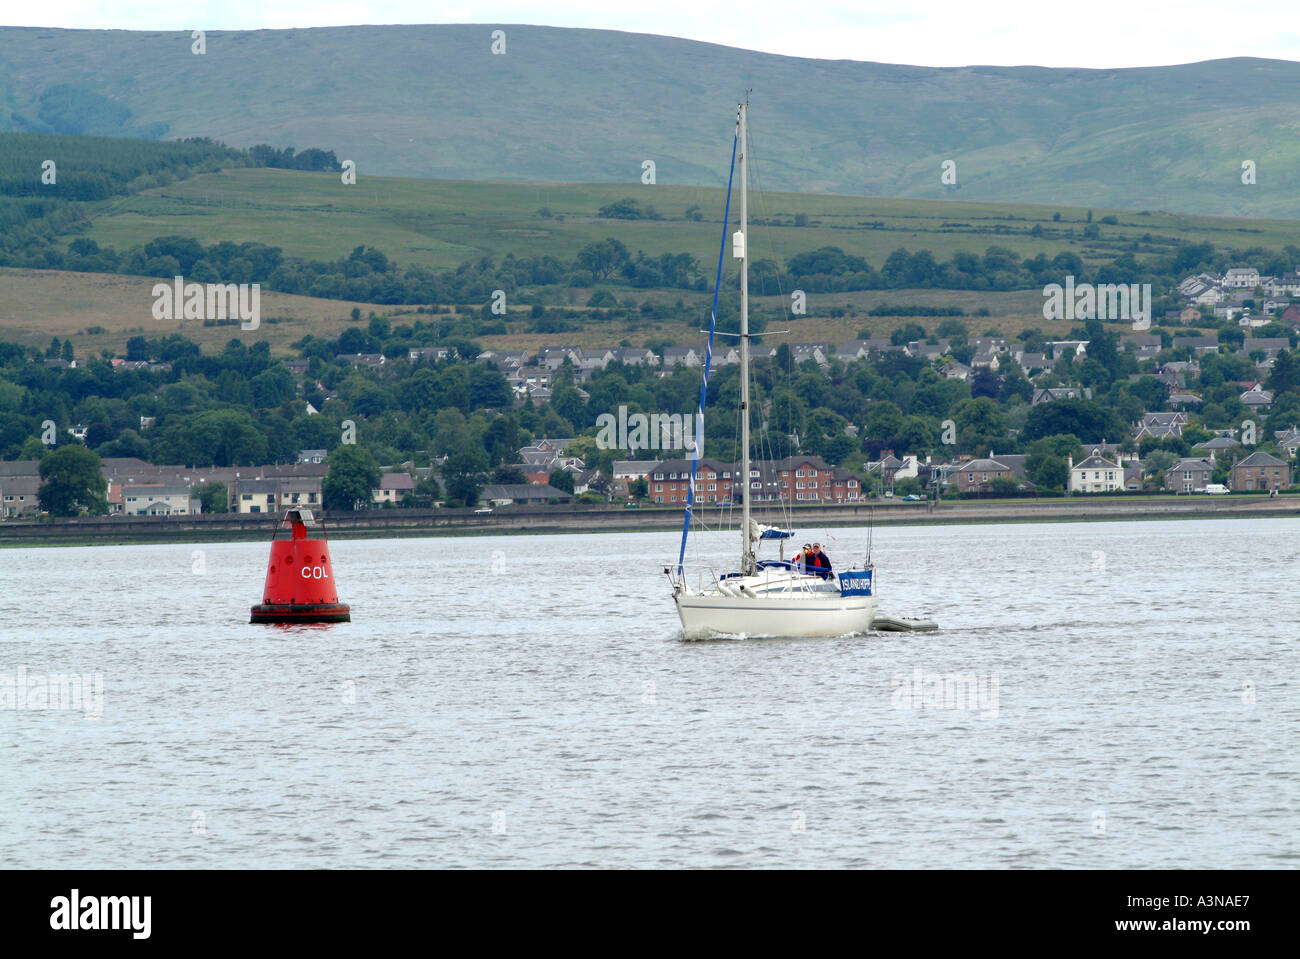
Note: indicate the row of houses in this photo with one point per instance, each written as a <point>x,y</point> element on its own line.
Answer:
<point>1106,470</point>
<point>117,364</point>
<point>137,488</point>
<point>795,479</point>
<point>531,374</point>
<point>1236,294</point>
<point>809,479</point>
<point>531,377</point>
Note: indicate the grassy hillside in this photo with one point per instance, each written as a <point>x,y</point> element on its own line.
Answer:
<point>442,223</point>
<point>591,105</point>
<point>99,311</point>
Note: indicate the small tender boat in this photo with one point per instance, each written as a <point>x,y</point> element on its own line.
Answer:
<point>903,624</point>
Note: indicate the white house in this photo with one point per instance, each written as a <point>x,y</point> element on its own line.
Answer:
<point>680,356</point>
<point>1096,474</point>
<point>158,499</point>
<point>629,470</point>
<point>1242,278</point>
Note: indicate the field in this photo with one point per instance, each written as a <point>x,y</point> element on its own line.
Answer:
<point>442,223</point>
<point>39,304</point>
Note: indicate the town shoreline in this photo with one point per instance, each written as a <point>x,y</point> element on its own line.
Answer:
<point>397,523</point>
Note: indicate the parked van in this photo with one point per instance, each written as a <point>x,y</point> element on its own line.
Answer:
<point>1215,489</point>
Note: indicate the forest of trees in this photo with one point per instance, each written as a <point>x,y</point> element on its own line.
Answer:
<point>39,203</point>
<point>241,406</point>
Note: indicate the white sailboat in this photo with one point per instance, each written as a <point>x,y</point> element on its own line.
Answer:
<point>770,597</point>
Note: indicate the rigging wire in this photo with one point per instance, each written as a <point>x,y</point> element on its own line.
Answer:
<point>787,376</point>
<point>708,361</point>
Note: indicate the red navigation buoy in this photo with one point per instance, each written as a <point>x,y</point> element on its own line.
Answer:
<point>300,577</point>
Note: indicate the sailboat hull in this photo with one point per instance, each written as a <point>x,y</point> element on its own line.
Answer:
<point>704,615</point>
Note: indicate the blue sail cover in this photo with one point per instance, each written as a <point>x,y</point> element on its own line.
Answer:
<point>856,582</point>
<point>773,533</point>
<point>708,360</point>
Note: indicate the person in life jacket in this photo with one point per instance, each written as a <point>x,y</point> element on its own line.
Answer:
<point>821,563</point>
<point>803,561</point>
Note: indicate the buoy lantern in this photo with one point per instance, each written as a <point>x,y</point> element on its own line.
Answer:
<point>300,577</point>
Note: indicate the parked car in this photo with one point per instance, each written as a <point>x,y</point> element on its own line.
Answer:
<point>912,498</point>
<point>483,511</point>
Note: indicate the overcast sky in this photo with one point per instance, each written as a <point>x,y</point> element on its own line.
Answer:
<point>1098,33</point>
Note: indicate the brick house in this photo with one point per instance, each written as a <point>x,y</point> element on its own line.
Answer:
<point>803,479</point>
<point>670,481</point>
<point>764,483</point>
<point>796,479</point>
<point>1189,476</point>
<point>1259,471</point>
<point>843,486</point>
<point>977,476</point>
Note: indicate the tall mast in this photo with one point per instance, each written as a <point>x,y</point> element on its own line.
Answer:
<point>747,564</point>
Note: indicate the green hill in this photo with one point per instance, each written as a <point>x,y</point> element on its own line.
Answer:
<point>441,223</point>
<point>590,105</point>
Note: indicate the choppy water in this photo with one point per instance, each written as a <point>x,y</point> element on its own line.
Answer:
<point>524,701</point>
